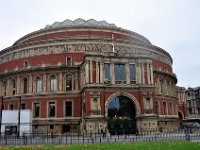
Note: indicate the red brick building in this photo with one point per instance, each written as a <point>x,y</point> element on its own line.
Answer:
<point>90,75</point>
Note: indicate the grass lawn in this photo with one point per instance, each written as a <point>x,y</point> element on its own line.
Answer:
<point>113,146</point>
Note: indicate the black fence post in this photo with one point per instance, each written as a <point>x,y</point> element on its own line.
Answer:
<point>83,137</point>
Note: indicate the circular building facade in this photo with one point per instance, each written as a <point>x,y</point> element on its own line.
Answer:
<point>89,75</point>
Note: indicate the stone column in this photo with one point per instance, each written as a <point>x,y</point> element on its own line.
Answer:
<point>17,86</point>
<point>112,73</point>
<point>127,70</point>
<point>91,72</point>
<point>101,72</point>
<point>97,72</point>
<point>151,73</point>
<point>148,74</point>
<point>138,74</point>
<point>44,83</point>
<point>60,79</point>
<point>87,72</point>
<point>30,84</point>
<point>8,88</point>
<point>76,81</point>
<point>142,73</point>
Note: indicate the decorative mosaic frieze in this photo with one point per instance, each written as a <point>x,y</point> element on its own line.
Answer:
<point>102,49</point>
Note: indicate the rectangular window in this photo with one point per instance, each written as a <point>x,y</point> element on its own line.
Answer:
<point>69,61</point>
<point>25,86</point>
<point>14,91</point>
<point>11,107</point>
<point>132,72</point>
<point>51,127</point>
<point>190,110</point>
<point>36,109</point>
<point>68,108</point>
<point>38,85</point>
<point>120,72</point>
<point>13,87</point>
<point>107,72</point>
<point>23,106</point>
<point>164,108</point>
<point>53,84</point>
<point>52,109</point>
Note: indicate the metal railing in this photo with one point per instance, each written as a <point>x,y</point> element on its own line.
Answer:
<point>187,134</point>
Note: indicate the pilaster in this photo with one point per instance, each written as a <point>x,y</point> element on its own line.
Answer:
<point>127,68</point>
<point>87,72</point>
<point>17,87</point>
<point>91,73</point>
<point>60,79</point>
<point>30,84</point>
<point>112,74</point>
<point>97,72</point>
<point>101,72</point>
<point>44,79</point>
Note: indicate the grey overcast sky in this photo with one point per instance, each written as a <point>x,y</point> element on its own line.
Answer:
<point>173,25</point>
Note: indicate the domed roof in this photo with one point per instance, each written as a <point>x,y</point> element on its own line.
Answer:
<point>80,22</point>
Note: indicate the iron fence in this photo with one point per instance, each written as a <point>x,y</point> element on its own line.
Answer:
<point>188,134</point>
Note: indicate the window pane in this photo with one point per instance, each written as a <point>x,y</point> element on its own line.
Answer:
<point>164,108</point>
<point>107,71</point>
<point>69,61</point>
<point>25,85</point>
<point>38,85</point>
<point>52,109</point>
<point>68,108</point>
<point>68,83</point>
<point>36,109</point>
<point>53,83</point>
<point>132,72</point>
<point>11,107</point>
<point>23,106</point>
<point>14,87</point>
<point>120,72</point>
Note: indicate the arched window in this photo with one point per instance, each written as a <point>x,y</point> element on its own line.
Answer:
<point>25,85</point>
<point>38,83</point>
<point>68,82</point>
<point>13,87</point>
<point>53,83</point>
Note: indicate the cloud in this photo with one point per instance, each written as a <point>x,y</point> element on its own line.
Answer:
<point>170,24</point>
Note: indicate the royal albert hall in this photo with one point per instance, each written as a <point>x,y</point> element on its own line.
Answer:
<point>87,75</point>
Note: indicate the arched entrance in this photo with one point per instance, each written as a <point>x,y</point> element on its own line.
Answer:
<point>121,115</point>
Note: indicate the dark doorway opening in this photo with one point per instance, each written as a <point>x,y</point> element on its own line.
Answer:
<point>180,119</point>
<point>121,116</point>
<point>66,128</point>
